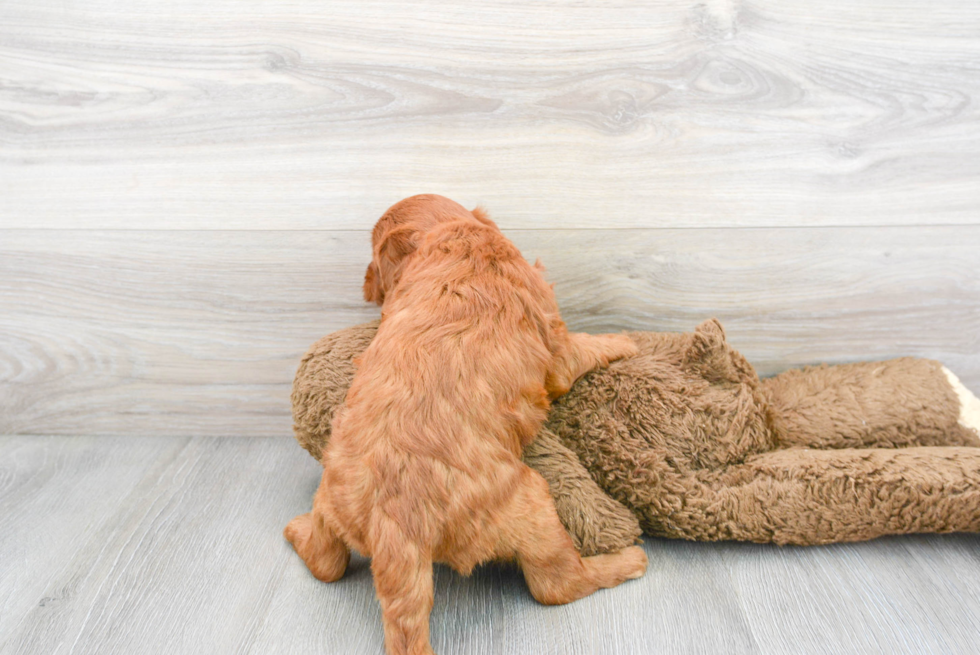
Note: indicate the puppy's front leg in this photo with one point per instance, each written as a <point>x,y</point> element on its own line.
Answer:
<point>578,353</point>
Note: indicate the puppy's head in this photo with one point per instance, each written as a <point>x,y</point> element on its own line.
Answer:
<point>399,233</point>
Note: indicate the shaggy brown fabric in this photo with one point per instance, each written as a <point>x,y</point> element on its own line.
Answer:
<point>688,438</point>
<point>320,386</point>
<point>596,522</point>
<point>893,404</point>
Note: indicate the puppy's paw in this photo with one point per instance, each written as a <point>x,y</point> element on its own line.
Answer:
<point>635,562</point>
<point>618,346</point>
<point>325,555</point>
<point>616,568</point>
<point>298,531</point>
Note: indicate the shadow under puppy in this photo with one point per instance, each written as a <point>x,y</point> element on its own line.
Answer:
<point>424,462</point>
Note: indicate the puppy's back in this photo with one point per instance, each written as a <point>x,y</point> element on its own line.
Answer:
<point>465,331</point>
<point>452,386</point>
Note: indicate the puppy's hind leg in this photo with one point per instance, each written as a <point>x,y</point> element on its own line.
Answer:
<point>554,570</point>
<point>403,582</point>
<point>315,542</point>
<point>578,353</point>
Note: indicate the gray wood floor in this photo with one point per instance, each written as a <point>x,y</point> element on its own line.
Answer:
<point>173,545</point>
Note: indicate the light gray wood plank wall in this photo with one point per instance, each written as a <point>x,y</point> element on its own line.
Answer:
<point>186,187</point>
<point>199,333</point>
<point>258,114</point>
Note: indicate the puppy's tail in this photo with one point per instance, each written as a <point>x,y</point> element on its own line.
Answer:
<point>402,571</point>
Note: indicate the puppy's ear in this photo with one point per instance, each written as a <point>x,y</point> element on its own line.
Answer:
<point>399,242</point>
<point>372,285</point>
<point>389,259</point>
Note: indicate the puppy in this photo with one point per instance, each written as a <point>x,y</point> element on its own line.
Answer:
<point>424,461</point>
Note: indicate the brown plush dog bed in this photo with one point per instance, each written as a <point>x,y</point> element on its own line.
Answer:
<point>684,440</point>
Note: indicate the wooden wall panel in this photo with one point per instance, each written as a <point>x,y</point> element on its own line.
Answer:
<point>186,187</point>
<point>199,333</point>
<point>230,114</point>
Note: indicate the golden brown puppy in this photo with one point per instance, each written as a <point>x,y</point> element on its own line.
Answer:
<point>424,460</point>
